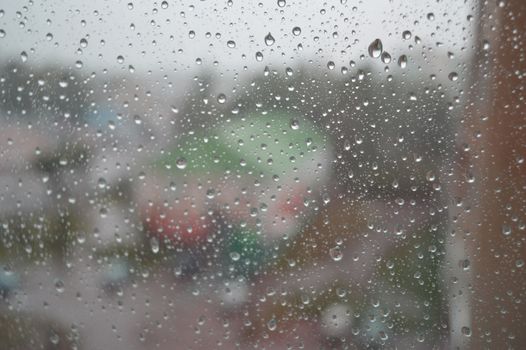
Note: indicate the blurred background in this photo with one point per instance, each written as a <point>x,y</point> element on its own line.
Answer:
<point>268,175</point>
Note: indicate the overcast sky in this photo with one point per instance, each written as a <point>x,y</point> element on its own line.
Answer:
<point>153,37</point>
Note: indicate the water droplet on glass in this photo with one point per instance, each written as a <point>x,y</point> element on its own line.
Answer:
<point>154,245</point>
<point>272,324</point>
<point>59,286</point>
<point>181,163</point>
<point>294,124</point>
<point>120,59</point>
<point>102,183</point>
<point>506,230</point>
<point>296,31</point>
<point>83,43</point>
<point>431,16</point>
<point>164,4</point>
<point>259,56</point>
<point>336,253</point>
<point>221,98</point>
<point>453,76</point>
<point>269,39</point>
<point>231,44</point>
<point>23,56</point>
<point>282,3</point>
<point>235,256</point>
<point>375,48</point>
<point>466,331</point>
<point>406,35</point>
<point>54,338</point>
<point>386,57</point>
<point>430,176</point>
<point>402,61</point>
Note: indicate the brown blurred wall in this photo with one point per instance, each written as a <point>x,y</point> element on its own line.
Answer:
<point>498,292</point>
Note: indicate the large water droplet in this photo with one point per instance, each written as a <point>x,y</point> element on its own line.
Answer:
<point>272,324</point>
<point>154,245</point>
<point>386,57</point>
<point>466,331</point>
<point>59,286</point>
<point>269,39</point>
<point>402,61</point>
<point>376,48</point>
<point>294,124</point>
<point>296,31</point>
<point>181,163</point>
<point>336,253</point>
<point>221,98</point>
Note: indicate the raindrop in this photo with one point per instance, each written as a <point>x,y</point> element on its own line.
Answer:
<point>430,176</point>
<point>102,183</point>
<point>83,43</point>
<point>294,124</point>
<point>336,253</point>
<point>221,98</point>
<point>272,324</point>
<point>506,230</point>
<point>231,44</point>
<point>402,61</point>
<point>54,338</point>
<point>269,39</point>
<point>59,286</point>
<point>259,56</point>
<point>406,35</point>
<point>386,57</point>
<point>23,56</point>
<point>282,3</point>
<point>181,163</point>
<point>375,48</point>
<point>154,245</point>
<point>164,4</point>
<point>296,31</point>
<point>453,76</point>
<point>466,331</point>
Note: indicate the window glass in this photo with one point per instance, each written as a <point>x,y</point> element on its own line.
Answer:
<point>262,175</point>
